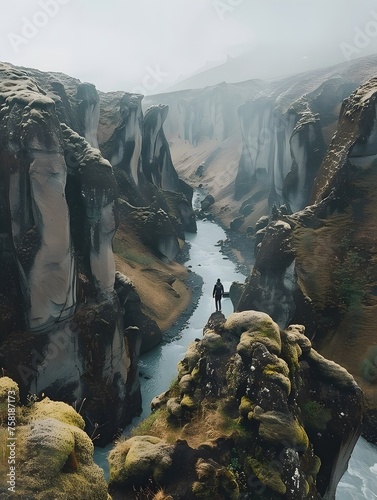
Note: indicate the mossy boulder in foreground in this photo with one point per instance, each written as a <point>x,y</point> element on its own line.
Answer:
<point>255,413</point>
<point>54,456</point>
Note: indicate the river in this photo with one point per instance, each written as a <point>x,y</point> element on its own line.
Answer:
<point>159,366</point>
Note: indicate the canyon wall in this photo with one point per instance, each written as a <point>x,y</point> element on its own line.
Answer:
<point>259,144</point>
<point>320,263</point>
<point>71,328</point>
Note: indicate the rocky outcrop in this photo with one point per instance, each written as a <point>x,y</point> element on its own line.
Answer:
<point>137,148</point>
<point>62,331</point>
<point>323,266</point>
<point>147,334</point>
<point>254,411</point>
<point>54,456</point>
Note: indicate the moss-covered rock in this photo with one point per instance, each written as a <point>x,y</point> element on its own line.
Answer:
<point>246,406</point>
<point>240,426</point>
<point>188,403</point>
<point>278,428</point>
<point>58,410</point>
<point>268,475</point>
<point>252,327</point>
<point>278,372</point>
<point>54,454</point>
<point>214,343</point>
<point>139,459</point>
<point>173,405</point>
<point>187,384</point>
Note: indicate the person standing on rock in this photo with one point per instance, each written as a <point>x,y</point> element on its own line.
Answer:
<point>218,292</point>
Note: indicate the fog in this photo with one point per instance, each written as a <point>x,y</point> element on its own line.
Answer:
<point>154,45</point>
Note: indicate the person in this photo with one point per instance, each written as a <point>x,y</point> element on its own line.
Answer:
<point>218,292</point>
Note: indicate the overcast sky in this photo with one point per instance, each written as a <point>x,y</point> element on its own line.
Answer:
<point>151,44</point>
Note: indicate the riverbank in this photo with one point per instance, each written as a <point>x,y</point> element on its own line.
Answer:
<point>166,289</point>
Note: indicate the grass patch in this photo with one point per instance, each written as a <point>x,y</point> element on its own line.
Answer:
<point>208,422</point>
<point>152,425</point>
<point>128,254</point>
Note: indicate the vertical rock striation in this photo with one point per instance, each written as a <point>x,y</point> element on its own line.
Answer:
<point>62,331</point>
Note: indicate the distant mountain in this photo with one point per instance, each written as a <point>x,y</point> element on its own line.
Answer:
<point>261,62</point>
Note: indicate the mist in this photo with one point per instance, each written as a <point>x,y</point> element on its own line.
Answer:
<point>150,46</point>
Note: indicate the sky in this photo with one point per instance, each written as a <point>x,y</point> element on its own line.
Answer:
<point>147,46</point>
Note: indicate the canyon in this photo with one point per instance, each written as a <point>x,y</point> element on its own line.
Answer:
<point>96,197</point>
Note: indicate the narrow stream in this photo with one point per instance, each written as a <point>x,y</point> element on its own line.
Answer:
<point>159,366</point>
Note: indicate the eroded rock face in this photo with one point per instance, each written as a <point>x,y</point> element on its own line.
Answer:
<point>329,277</point>
<point>285,131</point>
<point>136,146</point>
<point>62,331</point>
<point>54,454</point>
<point>255,411</point>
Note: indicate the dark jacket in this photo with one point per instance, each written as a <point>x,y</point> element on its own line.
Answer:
<point>218,290</point>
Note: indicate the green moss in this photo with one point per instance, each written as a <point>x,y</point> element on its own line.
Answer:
<point>253,326</point>
<point>268,475</point>
<point>278,428</point>
<point>195,374</point>
<point>189,403</point>
<point>146,425</point>
<point>182,368</point>
<point>279,373</point>
<point>246,406</point>
<point>215,344</point>
<point>126,253</point>
<point>315,415</point>
<point>56,409</point>
<point>139,459</point>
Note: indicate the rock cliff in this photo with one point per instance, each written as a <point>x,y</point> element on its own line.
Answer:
<point>254,411</point>
<point>320,263</point>
<point>62,332</point>
<point>66,331</point>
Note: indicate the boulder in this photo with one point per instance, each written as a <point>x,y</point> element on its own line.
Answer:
<point>207,202</point>
<point>255,411</point>
<point>54,454</point>
<point>236,223</point>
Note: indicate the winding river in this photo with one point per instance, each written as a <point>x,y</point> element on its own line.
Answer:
<point>159,367</point>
